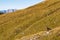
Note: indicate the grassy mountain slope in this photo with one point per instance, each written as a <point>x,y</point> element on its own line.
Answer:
<point>30,20</point>
<point>53,34</point>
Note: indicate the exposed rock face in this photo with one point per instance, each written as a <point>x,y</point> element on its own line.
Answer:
<point>44,35</point>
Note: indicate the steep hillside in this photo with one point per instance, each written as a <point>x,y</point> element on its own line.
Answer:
<point>53,34</point>
<point>31,20</point>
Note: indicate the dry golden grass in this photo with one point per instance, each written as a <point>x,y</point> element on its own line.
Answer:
<point>53,34</point>
<point>30,21</point>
